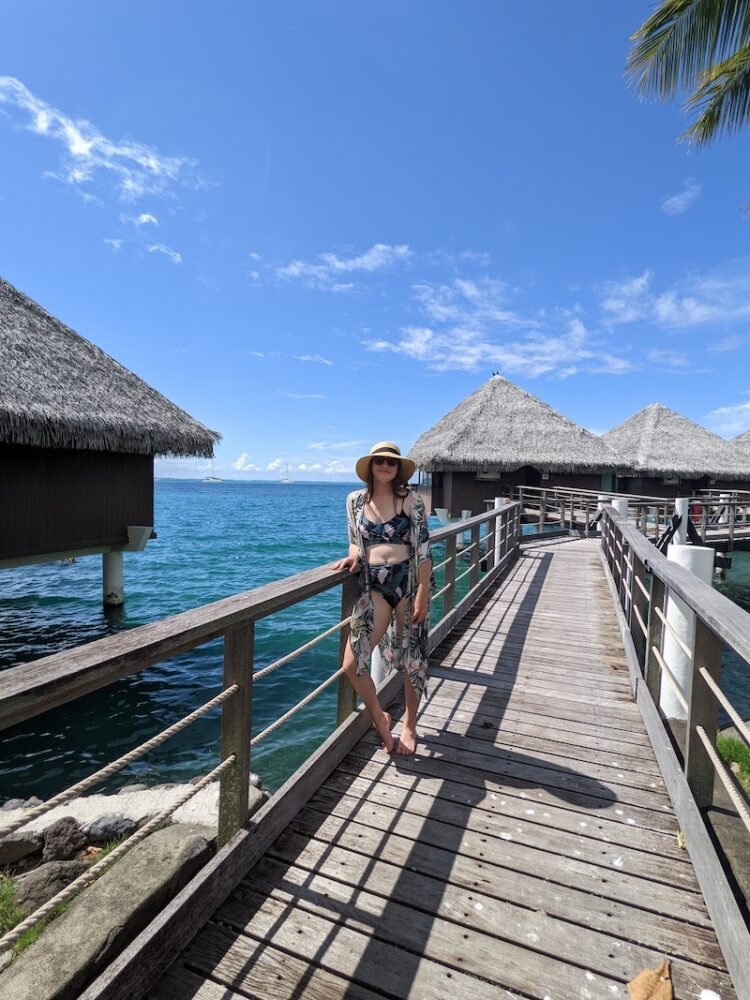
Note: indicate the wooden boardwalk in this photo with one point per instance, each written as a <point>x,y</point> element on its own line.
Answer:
<point>529,849</point>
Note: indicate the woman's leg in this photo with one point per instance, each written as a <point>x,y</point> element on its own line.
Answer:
<point>363,683</point>
<point>407,741</point>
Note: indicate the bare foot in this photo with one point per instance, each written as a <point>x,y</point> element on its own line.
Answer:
<point>384,732</point>
<point>406,744</point>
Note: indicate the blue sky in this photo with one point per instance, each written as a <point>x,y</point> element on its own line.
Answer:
<point>315,225</point>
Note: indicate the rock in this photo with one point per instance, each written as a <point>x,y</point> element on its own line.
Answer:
<point>41,884</point>
<point>18,845</point>
<point>110,827</point>
<point>63,840</point>
<point>13,804</point>
<point>132,788</point>
<point>255,780</point>
<point>6,957</point>
<point>33,801</point>
<point>76,946</point>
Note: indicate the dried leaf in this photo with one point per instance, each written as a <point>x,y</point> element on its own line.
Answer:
<point>652,984</point>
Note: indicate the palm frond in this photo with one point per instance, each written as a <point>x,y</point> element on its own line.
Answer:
<point>682,40</point>
<point>723,99</point>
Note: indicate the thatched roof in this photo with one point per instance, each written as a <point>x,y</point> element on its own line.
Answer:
<point>742,441</point>
<point>58,390</point>
<point>503,426</point>
<point>656,441</point>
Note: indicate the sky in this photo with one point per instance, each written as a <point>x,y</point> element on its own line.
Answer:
<point>315,225</point>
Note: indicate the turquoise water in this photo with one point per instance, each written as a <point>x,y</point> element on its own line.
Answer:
<point>214,540</point>
<point>735,671</point>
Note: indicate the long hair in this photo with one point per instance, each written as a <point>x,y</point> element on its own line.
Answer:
<point>399,487</point>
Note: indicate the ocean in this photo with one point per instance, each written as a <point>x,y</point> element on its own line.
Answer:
<point>214,540</point>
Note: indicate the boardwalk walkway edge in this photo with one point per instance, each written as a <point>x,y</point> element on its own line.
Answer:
<point>729,923</point>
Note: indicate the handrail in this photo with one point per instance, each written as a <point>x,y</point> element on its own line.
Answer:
<point>692,670</point>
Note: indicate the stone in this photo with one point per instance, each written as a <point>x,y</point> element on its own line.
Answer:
<point>132,788</point>
<point>63,840</point>
<point>18,845</point>
<point>79,943</point>
<point>110,827</point>
<point>38,886</point>
<point>13,804</point>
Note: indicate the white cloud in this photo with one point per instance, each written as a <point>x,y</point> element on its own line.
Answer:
<point>136,169</point>
<point>115,244</point>
<point>276,465</point>
<point>173,255</point>
<point>718,296</point>
<point>313,467</point>
<point>337,468</point>
<point>624,301</point>
<point>325,271</point>
<point>144,219</point>
<point>730,420</point>
<point>302,395</point>
<point>256,257</point>
<point>335,445</point>
<point>243,464</point>
<point>668,359</point>
<point>472,327</point>
<point>726,344</point>
<point>679,203</point>
<point>313,357</point>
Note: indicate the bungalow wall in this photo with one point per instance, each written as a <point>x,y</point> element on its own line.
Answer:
<point>463,491</point>
<point>61,500</point>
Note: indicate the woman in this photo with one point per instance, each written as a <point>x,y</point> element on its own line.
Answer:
<point>389,548</point>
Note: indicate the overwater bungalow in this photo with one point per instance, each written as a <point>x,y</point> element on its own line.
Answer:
<point>78,436</point>
<point>669,455</point>
<point>742,441</point>
<point>501,437</point>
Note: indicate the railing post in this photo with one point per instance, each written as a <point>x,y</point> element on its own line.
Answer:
<point>639,603</point>
<point>654,638</point>
<point>542,511</point>
<point>347,697</point>
<point>703,711</point>
<point>449,581</point>
<point>704,522</point>
<point>474,575</point>
<point>236,722</point>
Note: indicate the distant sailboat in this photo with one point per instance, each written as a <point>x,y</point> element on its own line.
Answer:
<point>212,478</point>
<point>287,478</point>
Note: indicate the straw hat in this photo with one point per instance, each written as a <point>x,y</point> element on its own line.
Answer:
<point>389,450</point>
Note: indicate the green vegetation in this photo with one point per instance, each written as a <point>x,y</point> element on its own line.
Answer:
<point>735,751</point>
<point>9,915</point>
<point>702,48</point>
<point>29,937</point>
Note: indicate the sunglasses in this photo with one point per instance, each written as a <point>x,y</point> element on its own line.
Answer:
<point>382,460</point>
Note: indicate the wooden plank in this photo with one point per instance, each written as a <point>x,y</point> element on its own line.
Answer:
<point>236,724</point>
<point>356,955</point>
<point>527,888</point>
<point>257,969</point>
<point>655,819</point>
<point>476,948</point>
<point>529,829</point>
<point>401,792</point>
<point>610,883</point>
<point>428,915</point>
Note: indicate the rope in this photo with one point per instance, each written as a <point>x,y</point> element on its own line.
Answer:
<point>643,587</point>
<point>741,726</point>
<point>670,628</point>
<point>443,563</point>
<point>440,592</point>
<point>297,708</point>
<point>672,679</point>
<point>96,870</point>
<point>726,777</point>
<point>94,779</point>
<point>300,649</point>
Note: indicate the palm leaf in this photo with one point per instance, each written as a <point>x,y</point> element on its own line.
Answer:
<point>681,41</point>
<point>723,99</point>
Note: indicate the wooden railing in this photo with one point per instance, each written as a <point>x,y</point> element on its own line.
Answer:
<point>30,689</point>
<point>644,582</point>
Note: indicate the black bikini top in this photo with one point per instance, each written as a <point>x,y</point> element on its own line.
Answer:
<point>396,531</point>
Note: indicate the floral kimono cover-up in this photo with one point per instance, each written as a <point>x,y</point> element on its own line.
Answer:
<point>411,653</point>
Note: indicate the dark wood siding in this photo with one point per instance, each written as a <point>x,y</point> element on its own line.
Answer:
<point>56,500</point>
<point>463,491</point>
